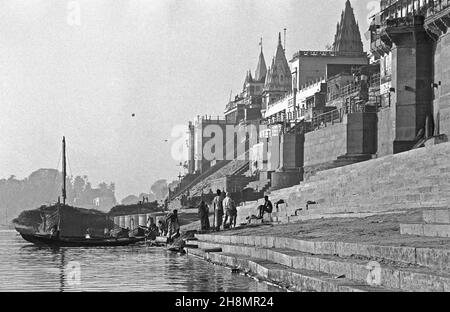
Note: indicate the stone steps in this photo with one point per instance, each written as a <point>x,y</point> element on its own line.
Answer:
<point>432,258</point>
<point>347,209</point>
<point>436,223</point>
<point>382,167</point>
<point>193,244</point>
<point>201,177</point>
<point>414,179</point>
<point>389,276</point>
<point>370,202</point>
<point>313,216</point>
<point>424,185</point>
<point>413,161</point>
<point>225,170</point>
<point>295,279</point>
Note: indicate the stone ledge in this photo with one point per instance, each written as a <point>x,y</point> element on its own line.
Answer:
<point>426,229</point>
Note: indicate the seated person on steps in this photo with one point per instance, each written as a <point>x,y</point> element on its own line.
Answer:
<point>267,207</point>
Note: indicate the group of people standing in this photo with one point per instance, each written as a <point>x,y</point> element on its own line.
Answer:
<point>224,211</point>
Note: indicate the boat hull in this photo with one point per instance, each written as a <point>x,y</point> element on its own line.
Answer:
<point>48,241</point>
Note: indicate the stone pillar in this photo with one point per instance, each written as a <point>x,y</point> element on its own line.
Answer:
<point>361,134</point>
<point>412,66</point>
<point>191,161</point>
<point>135,222</point>
<point>142,220</point>
<point>127,224</point>
<point>273,160</point>
<point>122,221</point>
<point>290,169</point>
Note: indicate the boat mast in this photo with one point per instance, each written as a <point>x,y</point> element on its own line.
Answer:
<point>64,171</point>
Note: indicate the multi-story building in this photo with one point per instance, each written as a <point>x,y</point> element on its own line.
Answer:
<point>324,88</point>
<point>409,41</point>
<point>326,109</point>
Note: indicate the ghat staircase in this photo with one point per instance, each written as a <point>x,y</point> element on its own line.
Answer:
<point>415,179</point>
<point>329,266</point>
<point>201,177</point>
<point>235,167</point>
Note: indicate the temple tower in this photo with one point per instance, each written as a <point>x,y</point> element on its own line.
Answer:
<point>348,38</point>
<point>261,69</point>
<point>278,80</point>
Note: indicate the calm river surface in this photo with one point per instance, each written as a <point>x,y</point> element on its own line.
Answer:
<point>24,267</point>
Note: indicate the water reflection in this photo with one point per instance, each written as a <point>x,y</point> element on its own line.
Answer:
<point>24,267</point>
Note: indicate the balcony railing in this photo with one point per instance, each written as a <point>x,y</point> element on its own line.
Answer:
<point>394,9</point>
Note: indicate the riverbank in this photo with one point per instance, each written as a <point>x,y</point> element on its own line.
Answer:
<point>342,254</point>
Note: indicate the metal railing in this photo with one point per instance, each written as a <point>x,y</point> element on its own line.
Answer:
<point>336,116</point>
<point>322,120</point>
<point>346,91</point>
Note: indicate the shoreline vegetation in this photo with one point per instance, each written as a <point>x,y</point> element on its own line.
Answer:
<point>43,187</point>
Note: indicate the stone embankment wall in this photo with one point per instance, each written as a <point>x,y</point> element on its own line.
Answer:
<point>325,145</point>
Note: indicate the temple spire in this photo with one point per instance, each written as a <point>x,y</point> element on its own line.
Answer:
<point>261,68</point>
<point>279,74</point>
<point>248,78</point>
<point>348,37</point>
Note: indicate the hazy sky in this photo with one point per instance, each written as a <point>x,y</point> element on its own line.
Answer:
<point>164,60</point>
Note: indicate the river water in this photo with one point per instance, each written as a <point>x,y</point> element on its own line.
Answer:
<point>24,267</point>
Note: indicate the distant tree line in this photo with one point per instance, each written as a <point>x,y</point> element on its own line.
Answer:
<point>43,187</point>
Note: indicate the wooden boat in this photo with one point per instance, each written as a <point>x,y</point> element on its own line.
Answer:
<point>68,229</point>
<point>48,240</point>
